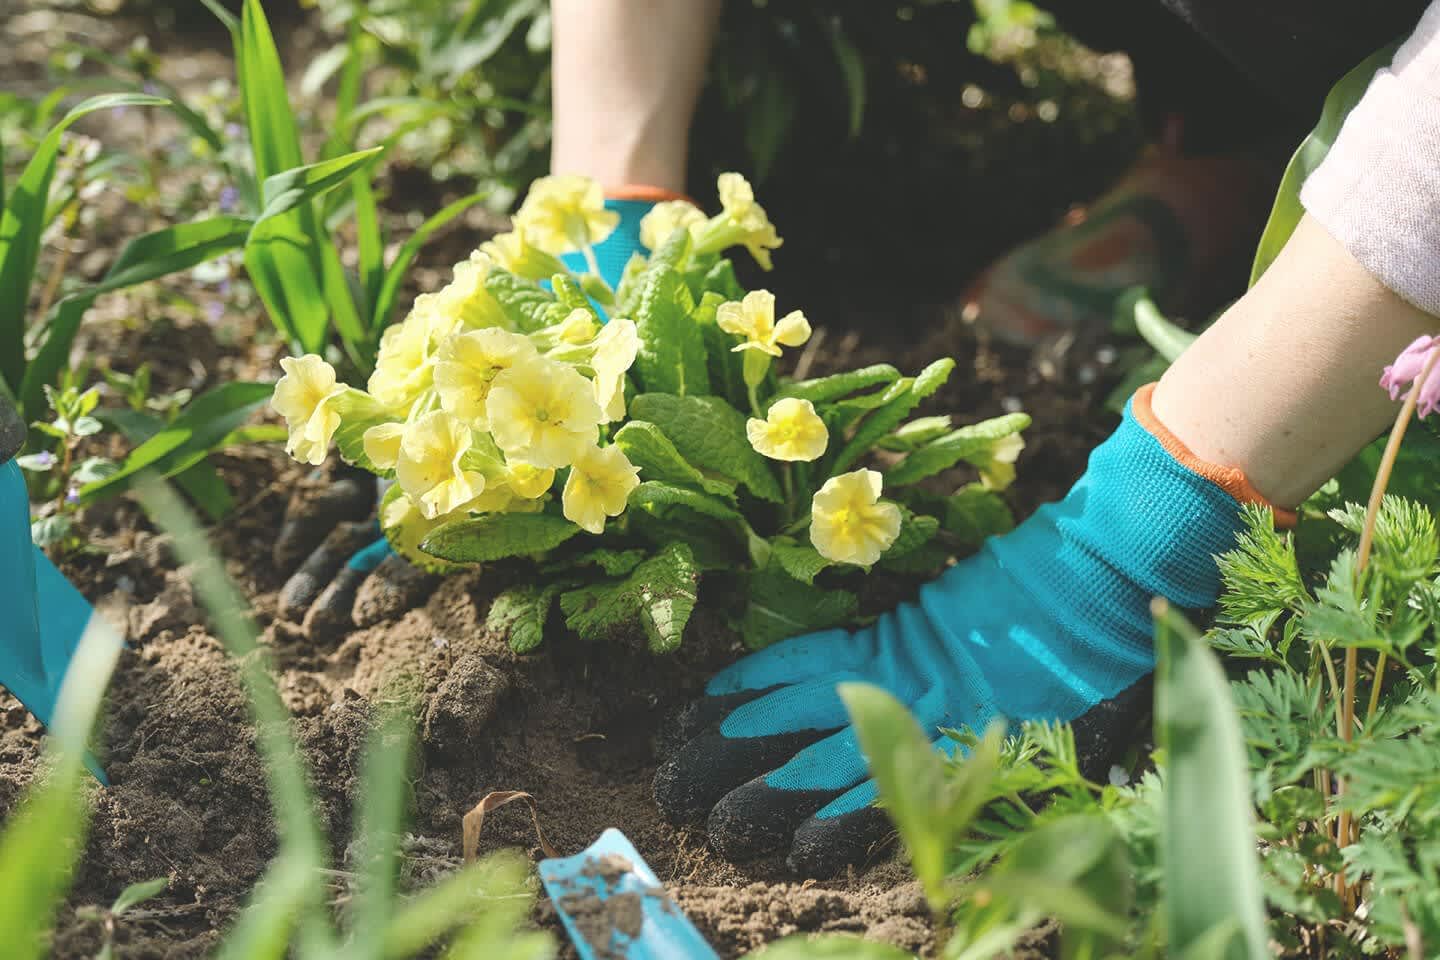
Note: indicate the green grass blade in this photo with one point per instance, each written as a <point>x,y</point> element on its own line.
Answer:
<point>340,295</point>
<point>138,893</point>
<point>265,927</point>
<point>23,223</point>
<point>370,239</point>
<point>930,804</point>
<point>384,792</point>
<point>1212,875</point>
<point>390,289</point>
<point>289,189</point>
<point>203,426</point>
<point>1286,213</point>
<point>274,134</point>
<point>226,18</point>
<point>495,883</point>
<point>347,97</point>
<point>284,264</point>
<point>43,840</point>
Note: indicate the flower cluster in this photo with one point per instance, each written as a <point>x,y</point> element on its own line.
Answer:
<point>508,400</point>
<point>475,416</point>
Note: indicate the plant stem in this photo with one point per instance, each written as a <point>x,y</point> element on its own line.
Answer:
<point>590,260</point>
<point>1362,559</point>
<point>1380,662</point>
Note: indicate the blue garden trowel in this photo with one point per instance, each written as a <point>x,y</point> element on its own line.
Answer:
<point>615,908</point>
<point>46,615</point>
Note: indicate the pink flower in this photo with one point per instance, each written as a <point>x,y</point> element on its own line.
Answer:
<point>1407,367</point>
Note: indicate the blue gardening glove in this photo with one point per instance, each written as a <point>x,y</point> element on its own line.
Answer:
<point>615,251</point>
<point>47,615</point>
<point>1050,621</point>
<point>343,573</point>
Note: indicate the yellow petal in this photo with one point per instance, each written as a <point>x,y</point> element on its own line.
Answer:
<point>382,444</point>
<point>598,487</point>
<point>848,523</point>
<point>791,431</point>
<point>793,329</point>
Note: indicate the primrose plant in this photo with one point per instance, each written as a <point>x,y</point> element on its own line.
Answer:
<point>623,459</point>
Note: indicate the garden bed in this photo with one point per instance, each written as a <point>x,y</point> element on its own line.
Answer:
<point>580,727</point>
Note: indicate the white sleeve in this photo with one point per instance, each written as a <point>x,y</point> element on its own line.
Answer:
<point>1378,189</point>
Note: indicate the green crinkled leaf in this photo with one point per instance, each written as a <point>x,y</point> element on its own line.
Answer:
<point>710,434</point>
<point>523,303</point>
<point>658,595</point>
<point>916,530</point>
<point>203,426</point>
<point>712,542</point>
<point>726,367</point>
<point>779,606</point>
<point>892,413</point>
<point>654,496</point>
<point>671,358</point>
<point>520,614</point>
<point>924,559</point>
<point>800,560</point>
<point>916,433</point>
<point>973,513</point>
<point>649,449</point>
<point>837,385</point>
<point>496,536</point>
<point>359,412</point>
<point>955,446</point>
<point>615,563</point>
<point>720,279</point>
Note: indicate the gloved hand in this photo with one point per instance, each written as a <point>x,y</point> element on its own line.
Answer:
<point>1050,621</point>
<point>344,573</point>
<point>47,615</point>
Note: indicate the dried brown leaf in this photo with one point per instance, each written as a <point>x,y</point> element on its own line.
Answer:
<point>475,819</point>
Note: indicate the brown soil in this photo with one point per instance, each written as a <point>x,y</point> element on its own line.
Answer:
<point>576,726</point>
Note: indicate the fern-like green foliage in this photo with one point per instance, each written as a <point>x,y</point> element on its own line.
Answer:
<point>1097,848</point>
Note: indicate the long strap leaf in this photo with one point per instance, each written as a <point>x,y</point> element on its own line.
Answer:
<point>24,223</point>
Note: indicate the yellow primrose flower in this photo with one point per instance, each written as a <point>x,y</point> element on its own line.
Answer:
<point>403,366</point>
<point>428,468</point>
<point>848,524</point>
<point>667,217</point>
<point>382,444</point>
<point>578,327</point>
<point>511,253</point>
<point>997,468</point>
<point>598,487</point>
<point>749,225</point>
<point>564,213</point>
<point>467,365</point>
<point>542,413</point>
<point>465,298</point>
<point>304,396</point>
<point>791,430</point>
<point>528,482</point>
<point>615,350</point>
<point>754,319</point>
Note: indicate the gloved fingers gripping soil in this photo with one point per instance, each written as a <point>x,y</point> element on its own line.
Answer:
<point>343,574</point>
<point>723,781</point>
